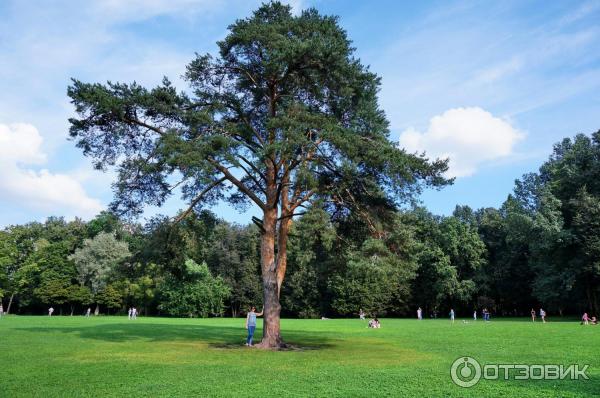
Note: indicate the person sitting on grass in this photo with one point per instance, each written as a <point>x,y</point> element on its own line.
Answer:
<point>593,321</point>
<point>585,319</point>
<point>374,323</point>
<point>251,324</point>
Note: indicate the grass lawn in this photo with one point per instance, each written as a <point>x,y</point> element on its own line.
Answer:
<point>160,357</point>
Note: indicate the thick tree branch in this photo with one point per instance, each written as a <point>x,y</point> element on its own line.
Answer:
<point>253,167</point>
<point>297,201</point>
<point>240,185</point>
<point>198,198</point>
<point>249,174</point>
<point>291,215</point>
<point>138,122</point>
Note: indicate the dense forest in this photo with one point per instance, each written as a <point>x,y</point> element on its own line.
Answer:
<point>540,248</point>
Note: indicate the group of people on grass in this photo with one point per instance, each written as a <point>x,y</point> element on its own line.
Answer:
<point>373,323</point>
<point>587,320</point>
<point>542,315</point>
<point>132,313</point>
<point>485,313</point>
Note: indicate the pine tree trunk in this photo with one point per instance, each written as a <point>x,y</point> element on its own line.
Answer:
<point>271,329</point>
<point>12,296</point>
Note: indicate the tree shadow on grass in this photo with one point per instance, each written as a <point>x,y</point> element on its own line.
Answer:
<point>220,337</point>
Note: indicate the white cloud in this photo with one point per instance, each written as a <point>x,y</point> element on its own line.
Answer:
<point>20,185</point>
<point>297,6</point>
<point>470,137</point>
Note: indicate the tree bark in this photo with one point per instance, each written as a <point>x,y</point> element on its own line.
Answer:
<point>97,310</point>
<point>12,296</point>
<point>272,308</point>
<point>282,238</point>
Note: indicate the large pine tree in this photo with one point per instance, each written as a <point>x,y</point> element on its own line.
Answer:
<point>285,115</point>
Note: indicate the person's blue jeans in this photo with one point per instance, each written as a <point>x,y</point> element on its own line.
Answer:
<point>250,334</point>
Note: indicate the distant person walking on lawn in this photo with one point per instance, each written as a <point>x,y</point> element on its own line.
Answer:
<point>88,312</point>
<point>543,315</point>
<point>251,324</point>
<point>1,310</point>
<point>486,315</point>
<point>419,314</point>
<point>361,315</point>
<point>475,315</point>
<point>50,311</point>
<point>532,315</point>
<point>452,315</point>
<point>585,319</point>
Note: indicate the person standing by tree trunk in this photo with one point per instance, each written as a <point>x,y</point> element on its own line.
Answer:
<point>251,324</point>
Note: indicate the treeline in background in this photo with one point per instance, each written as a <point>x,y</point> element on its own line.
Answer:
<point>540,248</point>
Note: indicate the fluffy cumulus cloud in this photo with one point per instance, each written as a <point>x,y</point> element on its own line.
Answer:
<point>469,137</point>
<point>24,186</point>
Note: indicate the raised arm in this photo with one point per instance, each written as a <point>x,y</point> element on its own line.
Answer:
<point>260,313</point>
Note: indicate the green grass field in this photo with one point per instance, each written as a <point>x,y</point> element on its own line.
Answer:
<point>159,357</point>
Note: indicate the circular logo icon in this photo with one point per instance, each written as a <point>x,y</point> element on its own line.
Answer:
<point>465,372</point>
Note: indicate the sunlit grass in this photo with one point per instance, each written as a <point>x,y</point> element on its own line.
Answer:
<point>111,356</point>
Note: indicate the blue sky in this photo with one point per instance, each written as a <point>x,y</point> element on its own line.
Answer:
<point>492,85</point>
